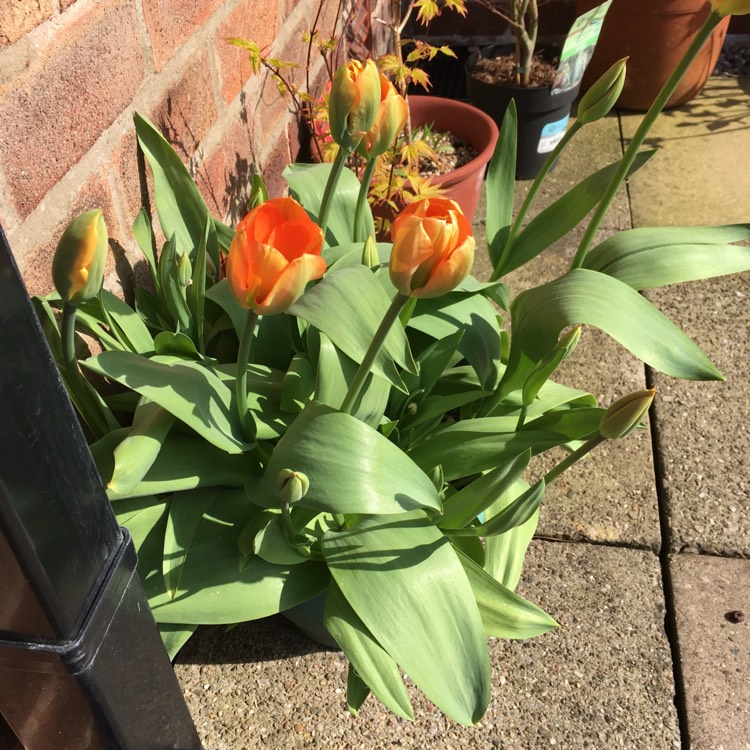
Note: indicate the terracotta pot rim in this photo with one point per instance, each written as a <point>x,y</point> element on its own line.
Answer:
<point>483,138</point>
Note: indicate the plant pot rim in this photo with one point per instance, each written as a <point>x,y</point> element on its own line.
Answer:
<point>478,128</point>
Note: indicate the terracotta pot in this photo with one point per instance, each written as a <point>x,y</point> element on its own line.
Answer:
<point>542,115</point>
<point>464,184</point>
<point>655,34</point>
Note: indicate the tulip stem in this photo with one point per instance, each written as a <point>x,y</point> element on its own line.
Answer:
<point>364,189</point>
<point>529,199</point>
<point>87,406</point>
<point>640,136</point>
<point>333,178</point>
<point>363,371</point>
<point>572,458</point>
<point>243,356</point>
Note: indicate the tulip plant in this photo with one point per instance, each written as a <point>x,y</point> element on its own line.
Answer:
<point>343,418</point>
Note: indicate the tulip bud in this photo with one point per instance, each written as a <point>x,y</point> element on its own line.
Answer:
<point>353,103</point>
<point>370,257</point>
<point>603,95</point>
<point>78,264</point>
<point>291,486</point>
<point>184,270</point>
<point>389,121</point>
<point>731,7</point>
<point>625,414</point>
<point>433,248</point>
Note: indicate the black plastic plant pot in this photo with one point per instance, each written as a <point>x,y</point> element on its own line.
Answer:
<point>542,115</point>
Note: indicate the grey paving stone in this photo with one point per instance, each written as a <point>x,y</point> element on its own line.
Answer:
<point>714,648</point>
<point>702,176</point>
<point>602,680</point>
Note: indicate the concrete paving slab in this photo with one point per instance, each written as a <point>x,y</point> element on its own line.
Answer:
<point>611,496</point>
<point>602,680</point>
<point>702,427</point>
<point>714,648</point>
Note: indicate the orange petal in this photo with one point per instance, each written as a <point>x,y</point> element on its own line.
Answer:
<point>291,284</point>
<point>253,269</point>
<point>449,272</point>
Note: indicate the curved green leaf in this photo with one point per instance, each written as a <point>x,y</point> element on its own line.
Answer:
<point>179,204</point>
<point>371,661</point>
<point>352,468</point>
<point>589,297</point>
<point>501,184</point>
<point>348,306</point>
<point>186,389</point>
<point>650,257</point>
<point>212,588</point>
<point>504,614</point>
<point>474,315</point>
<point>135,455</point>
<point>126,324</point>
<point>403,579</point>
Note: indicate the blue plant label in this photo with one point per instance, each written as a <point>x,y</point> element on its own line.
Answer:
<point>578,48</point>
<point>552,134</point>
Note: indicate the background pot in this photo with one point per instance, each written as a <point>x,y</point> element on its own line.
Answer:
<point>464,184</point>
<point>655,35</point>
<point>542,115</point>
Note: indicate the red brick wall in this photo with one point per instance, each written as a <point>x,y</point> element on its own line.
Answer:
<point>72,72</point>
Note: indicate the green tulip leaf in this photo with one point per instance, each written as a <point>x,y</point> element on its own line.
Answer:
<point>167,344</point>
<point>372,663</point>
<point>179,204</point>
<point>404,581</point>
<point>651,257</point>
<point>125,324</point>
<point>504,614</point>
<point>143,235</point>
<point>506,552</point>
<point>307,183</point>
<point>184,462</point>
<point>174,637</point>
<point>588,297</point>
<point>352,468</point>
<point>135,455</point>
<point>213,590</point>
<point>272,543</point>
<point>474,315</point>
<point>348,306</point>
<point>185,514</point>
<point>188,390</point>
<point>501,185</point>
<point>463,507</point>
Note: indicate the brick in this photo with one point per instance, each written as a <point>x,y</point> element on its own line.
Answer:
<point>225,175</point>
<point>65,4</point>
<point>255,20</point>
<point>86,77</point>
<point>37,263</point>
<point>18,18</point>
<point>187,109</point>
<point>273,166</point>
<point>170,23</point>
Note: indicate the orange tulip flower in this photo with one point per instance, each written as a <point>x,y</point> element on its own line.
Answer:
<point>353,102</point>
<point>274,254</point>
<point>433,248</point>
<point>731,7</point>
<point>389,121</point>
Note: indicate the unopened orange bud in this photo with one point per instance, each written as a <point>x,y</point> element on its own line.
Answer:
<point>389,121</point>
<point>433,248</point>
<point>353,102</point>
<point>78,264</point>
<point>625,414</point>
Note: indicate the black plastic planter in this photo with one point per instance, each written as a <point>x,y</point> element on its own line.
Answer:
<point>542,115</point>
<point>82,666</point>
